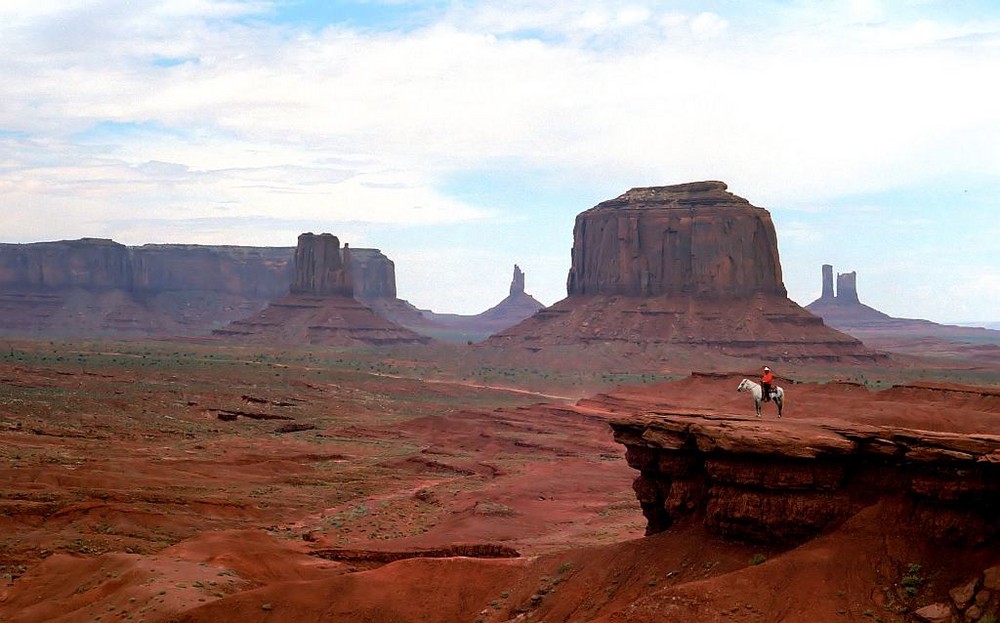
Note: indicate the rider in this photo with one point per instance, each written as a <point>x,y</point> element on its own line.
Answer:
<point>766,382</point>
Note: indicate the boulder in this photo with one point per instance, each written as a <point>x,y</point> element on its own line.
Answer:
<point>935,613</point>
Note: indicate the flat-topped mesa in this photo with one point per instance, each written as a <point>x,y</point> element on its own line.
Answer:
<point>321,266</point>
<point>688,266</point>
<point>687,239</point>
<point>320,307</point>
<point>373,274</point>
<point>93,263</point>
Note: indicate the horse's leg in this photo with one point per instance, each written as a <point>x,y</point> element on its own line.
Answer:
<point>756,406</point>
<point>778,400</point>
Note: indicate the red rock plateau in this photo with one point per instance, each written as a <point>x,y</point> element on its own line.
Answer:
<point>844,310</point>
<point>690,265</point>
<point>98,287</point>
<point>320,308</point>
<point>165,482</point>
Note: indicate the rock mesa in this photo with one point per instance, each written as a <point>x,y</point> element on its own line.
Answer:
<point>320,308</point>
<point>684,265</point>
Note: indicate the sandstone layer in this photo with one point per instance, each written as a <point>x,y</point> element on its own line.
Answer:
<point>688,239</point>
<point>95,287</point>
<point>789,479</point>
<point>321,308</point>
<point>690,265</point>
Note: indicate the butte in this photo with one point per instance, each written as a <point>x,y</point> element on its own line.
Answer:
<point>691,266</point>
<point>320,307</point>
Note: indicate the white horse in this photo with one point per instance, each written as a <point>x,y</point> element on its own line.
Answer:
<point>777,394</point>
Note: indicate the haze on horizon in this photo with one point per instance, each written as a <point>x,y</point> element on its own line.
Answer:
<point>461,138</point>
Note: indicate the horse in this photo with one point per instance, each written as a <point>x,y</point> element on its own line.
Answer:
<point>777,394</point>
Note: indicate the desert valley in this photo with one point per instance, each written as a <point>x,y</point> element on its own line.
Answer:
<point>236,434</point>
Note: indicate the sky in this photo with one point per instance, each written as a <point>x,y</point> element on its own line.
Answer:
<point>462,137</point>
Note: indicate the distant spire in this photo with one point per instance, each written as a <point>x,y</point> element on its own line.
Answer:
<point>847,287</point>
<point>517,283</point>
<point>827,294</point>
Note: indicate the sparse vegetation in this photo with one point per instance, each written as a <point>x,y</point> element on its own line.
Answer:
<point>912,580</point>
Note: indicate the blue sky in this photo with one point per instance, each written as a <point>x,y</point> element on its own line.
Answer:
<point>463,137</point>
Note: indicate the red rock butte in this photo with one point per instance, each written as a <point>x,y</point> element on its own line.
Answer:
<point>320,308</point>
<point>690,264</point>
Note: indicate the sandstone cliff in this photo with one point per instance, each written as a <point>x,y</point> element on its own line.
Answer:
<point>373,274</point>
<point>688,239</point>
<point>322,266</point>
<point>690,265</point>
<point>320,308</point>
<point>841,449</point>
<point>97,287</point>
<point>94,287</point>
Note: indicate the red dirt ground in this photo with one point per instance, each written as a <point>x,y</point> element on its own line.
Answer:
<point>126,498</point>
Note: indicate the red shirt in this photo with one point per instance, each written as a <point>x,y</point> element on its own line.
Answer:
<point>768,377</point>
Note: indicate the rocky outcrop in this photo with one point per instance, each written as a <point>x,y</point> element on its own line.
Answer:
<point>517,282</point>
<point>517,306</point>
<point>95,287</point>
<point>910,336</point>
<point>689,239</point>
<point>320,308</point>
<point>322,266</point>
<point>97,264</point>
<point>373,274</point>
<point>847,287</point>
<point>85,263</point>
<point>974,601</point>
<point>843,308</point>
<point>788,480</point>
<point>690,265</point>
<point>828,292</point>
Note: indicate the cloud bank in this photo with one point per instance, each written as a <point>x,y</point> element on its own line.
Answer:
<point>397,125</point>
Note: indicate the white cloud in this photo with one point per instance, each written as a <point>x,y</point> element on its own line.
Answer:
<point>708,25</point>
<point>174,110</point>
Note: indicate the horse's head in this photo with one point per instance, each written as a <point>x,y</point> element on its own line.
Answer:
<point>743,385</point>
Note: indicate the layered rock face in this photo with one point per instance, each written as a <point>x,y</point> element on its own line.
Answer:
<point>689,239</point>
<point>847,287</point>
<point>85,263</point>
<point>685,265</point>
<point>320,308</point>
<point>99,287</point>
<point>374,275</point>
<point>321,266</point>
<point>788,480</point>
